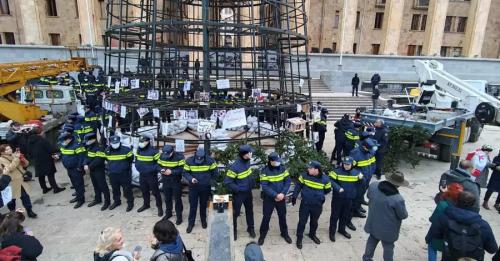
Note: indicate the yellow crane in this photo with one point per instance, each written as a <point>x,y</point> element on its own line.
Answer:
<point>13,76</point>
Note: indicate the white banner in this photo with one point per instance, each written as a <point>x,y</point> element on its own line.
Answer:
<point>205,126</point>
<point>187,86</point>
<point>123,111</point>
<point>179,145</point>
<point>156,113</point>
<point>223,84</point>
<point>234,118</point>
<point>153,95</point>
<point>135,84</point>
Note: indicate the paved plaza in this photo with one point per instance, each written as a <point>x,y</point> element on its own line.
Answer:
<point>70,235</point>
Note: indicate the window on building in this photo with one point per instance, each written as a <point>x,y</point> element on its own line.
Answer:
<point>462,24</point>
<point>55,39</point>
<point>80,39</point>
<point>415,22</point>
<point>456,51</point>
<point>419,50</point>
<point>447,23</point>
<point>9,38</point>
<point>444,51</point>
<point>314,50</point>
<point>354,48</point>
<point>379,20</point>
<point>4,7</point>
<point>76,8</point>
<point>375,48</point>
<point>334,47</point>
<point>358,19</point>
<point>411,50</point>
<point>336,20</point>
<point>51,8</point>
<point>423,24</point>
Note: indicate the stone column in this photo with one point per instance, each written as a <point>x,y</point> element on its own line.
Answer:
<point>347,31</point>
<point>393,19</point>
<point>30,13</point>
<point>476,27</point>
<point>89,22</point>
<point>434,30</point>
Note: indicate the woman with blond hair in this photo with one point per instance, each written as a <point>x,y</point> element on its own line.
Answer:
<point>12,164</point>
<point>110,247</point>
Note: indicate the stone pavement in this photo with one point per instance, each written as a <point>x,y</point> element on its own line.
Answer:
<point>70,235</point>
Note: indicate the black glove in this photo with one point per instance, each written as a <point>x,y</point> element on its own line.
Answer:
<point>294,201</point>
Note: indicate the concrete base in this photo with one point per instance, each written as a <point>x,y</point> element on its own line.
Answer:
<point>220,233</point>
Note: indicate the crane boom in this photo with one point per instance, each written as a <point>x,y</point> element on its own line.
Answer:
<point>13,76</point>
<point>466,96</point>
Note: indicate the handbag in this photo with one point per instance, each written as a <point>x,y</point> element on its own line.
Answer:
<point>188,253</point>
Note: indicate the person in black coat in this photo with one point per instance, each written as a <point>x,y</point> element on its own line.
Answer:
<point>375,80</point>
<point>12,233</point>
<point>40,152</point>
<point>355,84</point>
<point>493,184</point>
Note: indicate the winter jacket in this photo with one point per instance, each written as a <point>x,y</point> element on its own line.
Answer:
<point>382,138</point>
<point>175,164</point>
<point>275,180</point>
<point>437,244</point>
<point>92,119</point>
<point>467,217</point>
<point>460,176</point>
<point>13,169</point>
<point>320,126</point>
<point>170,252</point>
<point>72,155</point>
<point>365,162</point>
<point>341,126</point>
<point>375,94</point>
<point>203,172</point>
<point>375,80</point>
<point>355,81</point>
<point>145,160</point>
<point>239,176</point>
<point>386,211</point>
<point>31,248</point>
<point>119,160</point>
<point>40,154</point>
<point>346,179</point>
<point>494,183</point>
<point>312,188</point>
<point>95,158</point>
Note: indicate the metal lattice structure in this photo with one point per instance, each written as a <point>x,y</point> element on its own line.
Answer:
<point>254,44</point>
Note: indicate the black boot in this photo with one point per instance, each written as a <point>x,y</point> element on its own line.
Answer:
<point>332,236</point>
<point>235,234</point>
<point>129,207</point>
<point>189,228</point>
<point>160,212</point>
<point>351,226</point>
<point>78,204</point>
<point>287,239</point>
<point>73,200</point>
<point>299,242</point>
<point>344,233</point>
<point>144,207</point>
<point>251,232</point>
<point>261,240</point>
<point>93,203</point>
<point>203,224</point>
<point>31,214</point>
<point>315,239</point>
<point>114,205</point>
<point>105,206</point>
<point>57,190</point>
<point>46,190</point>
<point>178,221</point>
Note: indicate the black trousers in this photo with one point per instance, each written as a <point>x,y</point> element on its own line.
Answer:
<point>488,194</point>
<point>101,189</point>
<point>268,207</point>
<point>149,183</point>
<point>355,88</point>
<point>25,199</point>
<point>173,192</point>
<point>122,181</point>
<point>319,144</point>
<point>307,211</point>
<point>51,177</point>
<point>379,157</point>
<point>197,194</point>
<point>76,178</point>
<point>239,199</point>
<point>337,151</point>
<point>341,211</point>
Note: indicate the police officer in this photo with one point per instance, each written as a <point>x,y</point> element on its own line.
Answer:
<point>341,126</point>
<point>72,156</point>
<point>346,177</point>
<point>364,157</point>
<point>198,171</point>
<point>83,128</point>
<point>91,118</point>
<point>145,163</point>
<point>119,160</point>
<point>240,181</point>
<point>320,127</point>
<point>351,138</point>
<point>275,182</point>
<point>382,138</point>
<point>94,164</point>
<point>313,186</point>
<point>171,164</point>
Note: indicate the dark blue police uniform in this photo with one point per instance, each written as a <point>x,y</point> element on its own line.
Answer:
<point>120,174</point>
<point>171,184</point>
<point>95,158</point>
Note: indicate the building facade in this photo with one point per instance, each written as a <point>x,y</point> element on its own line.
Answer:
<point>461,28</point>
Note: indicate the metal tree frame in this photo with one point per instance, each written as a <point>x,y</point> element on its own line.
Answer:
<point>254,44</point>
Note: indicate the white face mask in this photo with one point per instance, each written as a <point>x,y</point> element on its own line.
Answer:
<point>90,142</point>
<point>115,145</point>
<point>143,145</point>
<point>275,163</point>
<point>249,155</point>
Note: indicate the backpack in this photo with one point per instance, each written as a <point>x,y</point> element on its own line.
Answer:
<point>463,240</point>
<point>106,257</point>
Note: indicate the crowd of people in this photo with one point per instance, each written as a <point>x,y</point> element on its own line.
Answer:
<point>358,156</point>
